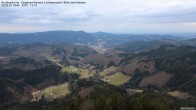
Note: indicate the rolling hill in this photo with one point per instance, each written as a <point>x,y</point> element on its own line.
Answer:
<point>160,75</point>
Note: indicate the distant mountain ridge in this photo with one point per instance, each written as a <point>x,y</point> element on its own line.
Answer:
<point>46,37</point>
<point>137,46</point>
<point>77,37</point>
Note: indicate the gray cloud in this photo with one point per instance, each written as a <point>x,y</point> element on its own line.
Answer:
<point>104,15</point>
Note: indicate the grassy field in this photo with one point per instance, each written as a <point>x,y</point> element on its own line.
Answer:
<point>69,69</point>
<point>178,94</point>
<point>133,91</point>
<point>54,60</point>
<point>107,71</point>
<point>117,79</point>
<point>84,73</point>
<point>55,92</point>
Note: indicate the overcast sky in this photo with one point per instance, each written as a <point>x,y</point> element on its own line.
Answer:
<point>117,16</point>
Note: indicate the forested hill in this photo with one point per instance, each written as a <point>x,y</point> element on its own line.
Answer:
<point>76,37</point>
